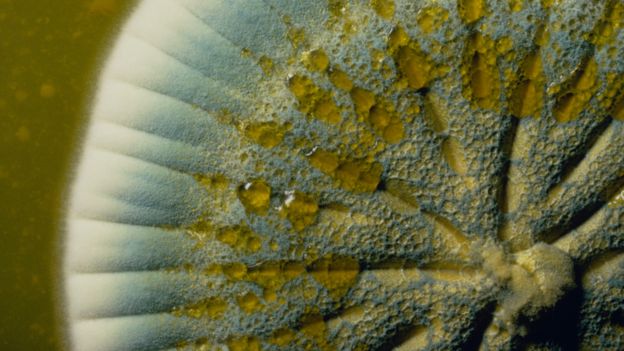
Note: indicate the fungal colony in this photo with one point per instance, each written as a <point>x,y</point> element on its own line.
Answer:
<point>354,175</point>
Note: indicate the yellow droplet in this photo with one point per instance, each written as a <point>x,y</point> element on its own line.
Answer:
<point>249,302</point>
<point>528,98</point>
<point>503,45</point>
<point>313,100</point>
<point>359,176</point>
<point>269,295</point>
<point>283,337</point>
<point>245,343</point>
<point>609,24</point>
<point>384,8</point>
<point>379,117</point>
<point>228,236</point>
<point>431,18</point>
<point>293,269</point>
<point>316,60</point>
<point>240,237</point>
<point>325,161</point>
<point>436,114</point>
<point>235,271</point>
<point>255,196</point>
<point>453,153</point>
<point>213,307</point>
<point>471,10</point>
<point>313,326</point>
<point>340,79</point>
<point>547,3</point>
<point>336,274</point>
<point>326,110</point>
<point>481,75</point>
<point>515,5</point>
<point>398,38</point>
<point>394,132</point>
<point>363,100</point>
<point>415,67</point>
<point>213,269</point>
<point>266,134</point>
<point>212,181</point>
<point>300,209</point>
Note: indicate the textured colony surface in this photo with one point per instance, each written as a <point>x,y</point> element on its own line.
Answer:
<point>354,175</point>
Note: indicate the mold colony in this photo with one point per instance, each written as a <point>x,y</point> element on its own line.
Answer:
<point>354,175</point>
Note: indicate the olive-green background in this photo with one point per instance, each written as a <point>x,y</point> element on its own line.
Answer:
<point>50,53</point>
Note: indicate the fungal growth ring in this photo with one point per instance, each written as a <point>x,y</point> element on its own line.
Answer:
<point>354,175</point>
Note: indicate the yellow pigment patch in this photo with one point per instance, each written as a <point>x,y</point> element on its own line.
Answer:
<point>431,18</point>
<point>213,269</point>
<point>336,7</point>
<point>266,274</point>
<point>386,123</point>
<point>272,275</point>
<point>201,344</point>
<point>547,3</point>
<point>240,238</point>
<point>313,100</point>
<point>381,117</point>
<point>580,89</point>
<point>245,343</point>
<point>213,181</point>
<point>608,26</point>
<point>300,209</point>
<point>453,153</point>
<point>255,196</point>
<point>313,327</point>
<point>213,308</point>
<point>337,274</point>
<point>394,132</point>
<point>415,67</point>
<point>235,271</point>
<point>528,98</point>
<point>249,303</point>
<point>397,38</point>
<point>436,113</point>
<point>283,337</point>
<point>416,70</point>
<point>515,5</point>
<point>316,60</point>
<point>266,134</point>
<point>480,72</point>
<point>325,161</point>
<point>471,10</point>
<point>384,8</point>
<point>362,99</point>
<point>340,79</point>
<point>359,176</point>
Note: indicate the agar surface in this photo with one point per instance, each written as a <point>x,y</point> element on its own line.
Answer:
<point>354,175</point>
